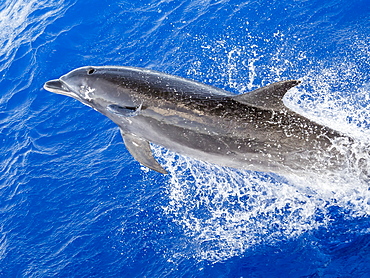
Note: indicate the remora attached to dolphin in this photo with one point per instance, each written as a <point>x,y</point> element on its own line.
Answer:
<point>253,131</point>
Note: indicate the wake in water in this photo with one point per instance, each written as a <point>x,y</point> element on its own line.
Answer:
<point>22,22</point>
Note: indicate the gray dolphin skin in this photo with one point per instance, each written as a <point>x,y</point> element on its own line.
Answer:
<point>253,131</point>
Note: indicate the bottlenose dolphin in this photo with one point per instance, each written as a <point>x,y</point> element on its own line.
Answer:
<point>253,131</point>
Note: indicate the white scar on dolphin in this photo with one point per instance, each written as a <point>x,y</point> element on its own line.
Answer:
<point>253,131</point>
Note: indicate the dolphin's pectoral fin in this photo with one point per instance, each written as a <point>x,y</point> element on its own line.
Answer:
<point>124,111</point>
<point>268,97</point>
<point>140,150</point>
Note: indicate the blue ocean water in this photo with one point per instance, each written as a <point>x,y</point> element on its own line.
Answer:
<point>74,203</point>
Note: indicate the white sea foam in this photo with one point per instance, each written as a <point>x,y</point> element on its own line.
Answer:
<point>226,211</point>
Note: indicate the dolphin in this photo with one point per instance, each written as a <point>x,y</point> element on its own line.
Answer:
<point>252,131</point>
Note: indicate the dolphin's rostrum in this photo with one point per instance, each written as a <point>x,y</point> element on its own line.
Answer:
<point>253,131</point>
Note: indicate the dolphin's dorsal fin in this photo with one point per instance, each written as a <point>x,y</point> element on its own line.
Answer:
<point>268,97</point>
<point>140,149</point>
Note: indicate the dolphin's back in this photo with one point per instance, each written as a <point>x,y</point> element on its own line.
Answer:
<point>155,82</point>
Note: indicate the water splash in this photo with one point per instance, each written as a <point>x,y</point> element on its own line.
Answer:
<point>226,211</point>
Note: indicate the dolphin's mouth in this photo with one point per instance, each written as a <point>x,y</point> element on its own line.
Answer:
<point>59,87</point>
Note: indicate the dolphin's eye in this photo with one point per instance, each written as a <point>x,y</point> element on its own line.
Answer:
<point>90,71</point>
